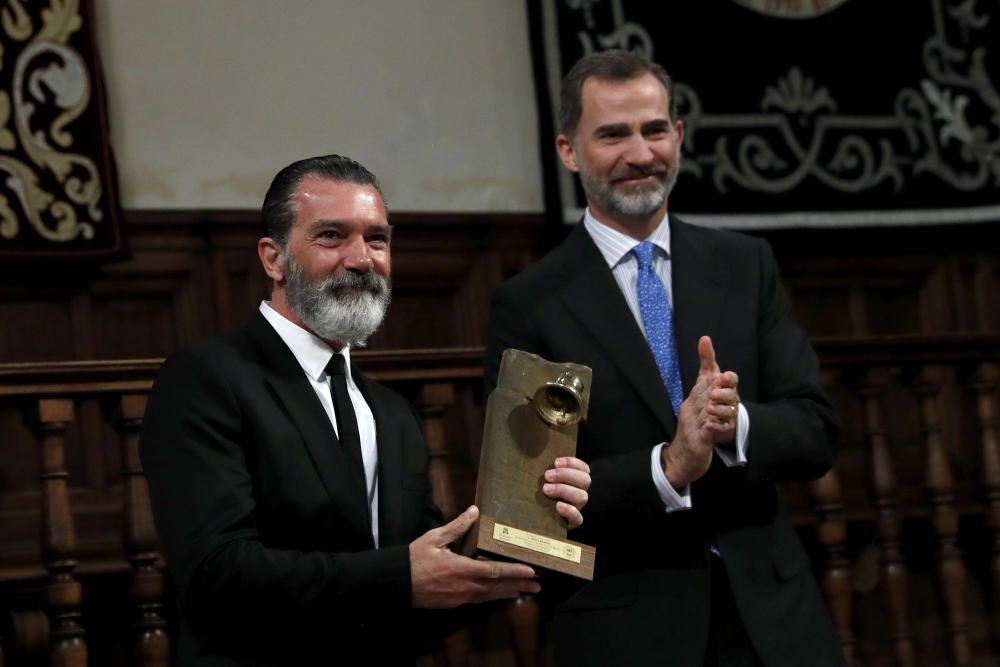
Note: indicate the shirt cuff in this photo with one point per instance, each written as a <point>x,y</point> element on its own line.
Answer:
<point>739,456</point>
<point>673,499</point>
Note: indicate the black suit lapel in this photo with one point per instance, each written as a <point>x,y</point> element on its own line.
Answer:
<point>291,388</point>
<point>596,301</point>
<point>390,464</point>
<point>697,292</point>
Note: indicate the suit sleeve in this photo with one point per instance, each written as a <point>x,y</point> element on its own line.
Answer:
<point>203,499</point>
<point>793,424</point>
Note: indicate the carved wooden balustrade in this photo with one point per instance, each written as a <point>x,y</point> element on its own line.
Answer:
<point>905,528</point>
<point>904,532</point>
<point>75,520</point>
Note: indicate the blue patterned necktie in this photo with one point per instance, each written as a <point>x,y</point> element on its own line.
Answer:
<point>654,307</point>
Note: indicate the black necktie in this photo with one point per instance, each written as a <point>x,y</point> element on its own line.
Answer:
<point>347,421</point>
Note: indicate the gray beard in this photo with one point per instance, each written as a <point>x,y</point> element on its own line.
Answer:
<point>640,203</point>
<point>348,319</point>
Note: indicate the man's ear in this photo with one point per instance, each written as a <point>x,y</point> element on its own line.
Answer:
<point>564,147</point>
<point>679,129</point>
<point>271,258</point>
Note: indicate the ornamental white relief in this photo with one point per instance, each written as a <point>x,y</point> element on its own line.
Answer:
<point>50,90</point>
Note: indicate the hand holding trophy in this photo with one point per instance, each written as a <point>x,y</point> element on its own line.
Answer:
<point>531,419</point>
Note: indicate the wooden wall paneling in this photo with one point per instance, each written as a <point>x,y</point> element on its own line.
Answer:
<point>824,307</point>
<point>865,259</point>
<point>82,317</point>
<point>827,299</point>
<point>472,303</point>
<point>38,325</point>
<point>238,280</point>
<point>858,310</point>
<point>859,296</point>
<point>444,270</point>
<point>239,286</point>
<point>938,313</point>
<point>986,287</point>
<point>964,291</point>
<point>427,305</point>
<point>890,306</point>
<point>152,310</point>
<point>161,297</point>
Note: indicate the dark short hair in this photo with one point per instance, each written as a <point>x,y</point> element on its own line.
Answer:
<point>611,65</point>
<point>278,213</point>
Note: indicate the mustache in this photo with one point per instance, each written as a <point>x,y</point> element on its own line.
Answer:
<point>658,171</point>
<point>356,280</point>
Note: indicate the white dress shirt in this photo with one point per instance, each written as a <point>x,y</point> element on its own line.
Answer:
<point>313,355</point>
<point>616,248</point>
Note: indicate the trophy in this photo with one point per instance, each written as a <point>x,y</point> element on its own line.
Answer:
<point>531,419</point>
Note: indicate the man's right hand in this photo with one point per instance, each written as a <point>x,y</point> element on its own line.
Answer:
<point>689,456</point>
<point>442,579</point>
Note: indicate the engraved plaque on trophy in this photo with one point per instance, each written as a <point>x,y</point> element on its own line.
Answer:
<point>531,419</point>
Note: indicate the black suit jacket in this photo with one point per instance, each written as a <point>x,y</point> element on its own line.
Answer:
<point>649,602</point>
<point>263,525</point>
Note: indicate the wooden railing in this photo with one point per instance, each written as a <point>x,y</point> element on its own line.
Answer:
<point>73,409</point>
<point>905,531</point>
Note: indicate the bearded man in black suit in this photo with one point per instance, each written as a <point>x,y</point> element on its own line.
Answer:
<point>705,393</point>
<point>290,491</point>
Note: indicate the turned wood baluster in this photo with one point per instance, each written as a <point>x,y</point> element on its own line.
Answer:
<point>524,622</point>
<point>152,645</point>
<point>827,499</point>
<point>984,383</point>
<point>836,580</point>
<point>883,489</point>
<point>63,593</point>
<point>432,402</point>
<point>940,485</point>
<point>29,637</point>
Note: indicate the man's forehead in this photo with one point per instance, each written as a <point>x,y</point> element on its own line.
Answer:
<point>318,198</point>
<point>607,95</point>
<point>314,186</point>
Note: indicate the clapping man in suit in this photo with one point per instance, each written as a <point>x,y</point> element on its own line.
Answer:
<point>705,393</point>
<point>290,491</point>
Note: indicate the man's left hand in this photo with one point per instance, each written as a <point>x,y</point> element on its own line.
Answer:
<point>567,483</point>
<point>723,408</point>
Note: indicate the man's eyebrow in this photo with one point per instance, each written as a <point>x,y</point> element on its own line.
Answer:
<point>321,224</point>
<point>657,124</point>
<point>611,128</point>
<point>324,224</point>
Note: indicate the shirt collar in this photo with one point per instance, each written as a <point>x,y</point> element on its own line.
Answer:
<point>311,351</point>
<point>616,246</point>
